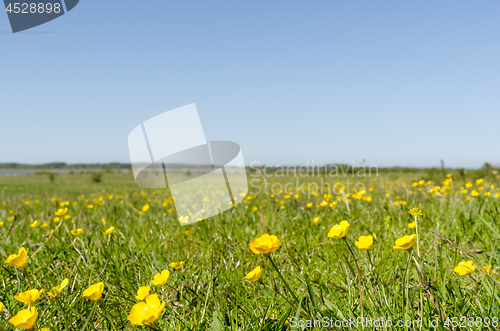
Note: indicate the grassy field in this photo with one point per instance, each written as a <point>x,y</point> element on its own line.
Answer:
<point>310,281</point>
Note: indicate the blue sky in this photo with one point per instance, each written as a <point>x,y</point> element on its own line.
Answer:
<point>392,82</point>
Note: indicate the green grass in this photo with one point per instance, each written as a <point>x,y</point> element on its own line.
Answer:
<point>208,292</point>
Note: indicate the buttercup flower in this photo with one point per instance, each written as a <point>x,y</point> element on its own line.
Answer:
<point>61,211</point>
<point>145,208</point>
<point>265,244</point>
<point>339,230</point>
<point>2,306</point>
<point>29,297</point>
<point>415,212</point>
<point>364,242</point>
<point>94,292</point>
<point>17,260</point>
<point>44,329</point>
<point>161,278</point>
<point>464,268</point>
<point>76,232</point>
<point>25,319</point>
<point>34,224</point>
<point>487,268</point>
<point>44,225</point>
<point>316,220</point>
<point>405,242</point>
<point>411,225</point>
<point>142,293</point>
<point>146,313</point>
<point>110,230</point>
<point>177,265</point>
<point>254,275</point>
<point>58,289</point>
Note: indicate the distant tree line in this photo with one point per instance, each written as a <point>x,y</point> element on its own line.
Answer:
<point>63,165</point>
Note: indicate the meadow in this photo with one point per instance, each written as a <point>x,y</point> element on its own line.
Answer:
<point>97,252</point>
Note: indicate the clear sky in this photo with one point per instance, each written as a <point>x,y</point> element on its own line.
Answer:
<point>404,83</point>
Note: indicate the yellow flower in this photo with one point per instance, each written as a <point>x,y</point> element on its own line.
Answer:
<point>25,319</point>
<point>90,206</point>
<point>177,265</point>
<point>58,289</point>
<point>44,329</point>
<point>161,278</point>
<point>2,306</point>
<point>265,244</point>
<point>254,275</point>
<point>339,230</point>
<point>67,217</point>
<point>145,208</point>
<point>146,313</point>
<point>76,232</point>
<point>1,223</point>
<point>415,211</point>
<point>34,224</point>
<point>411,225</point>
<point>309,205</point>
<point>364,242</point>
<point>188,232</point>
<point>104,221</point>
<point>468,185</point>
<point>56,219</point>
<point>61,286</point>
<point>316,220</point>
<point>487,268</point>
<point>479,181</point>
<point>94,292</point>
<point>44,225</point>
<point>464,268</point>
<point>17,260</point>
<point>474,193</point>
<point>405,242</point>
<point>110,230</point>
<point>61,211</point>
<point>29,297</point>
<point>142,292</point>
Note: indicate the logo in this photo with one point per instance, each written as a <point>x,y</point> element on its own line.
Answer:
<point>27,14</point>
<point>204,178</point>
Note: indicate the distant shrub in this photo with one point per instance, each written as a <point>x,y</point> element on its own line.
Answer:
<point>96,177</point>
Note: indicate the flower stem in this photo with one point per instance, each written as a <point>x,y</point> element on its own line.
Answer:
<point>359,275</point>
<point>418,236</point>
<point>282,278</point>
<point>369,258</point>
<point>28,276</point>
